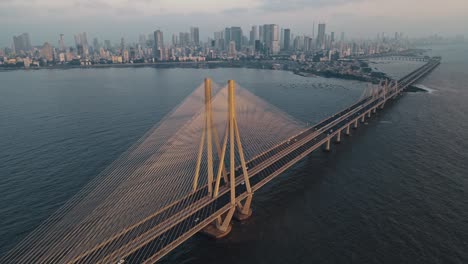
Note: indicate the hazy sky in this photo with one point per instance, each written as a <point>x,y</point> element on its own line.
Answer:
<point>112,19</point>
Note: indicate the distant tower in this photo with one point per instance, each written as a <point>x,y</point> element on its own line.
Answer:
<point>122,45</point>
<point>227,36</point>
<point>287,39</point>
<point>22,43</point>
<point>96,45</point>
<point>271,38</point>
<point>236,36</point>
<point>321,36</point>
<point>175,41</point>
<point>313,29</point>
<point>232,49</point>
<point>107,44</point>
<point>253,35</point>
<point>158,44</point>
<point>195,36</point>
<point>61,43</point>
<point>142,40</point>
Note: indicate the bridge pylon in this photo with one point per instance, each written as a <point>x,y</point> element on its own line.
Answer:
<point>209,134</point>
<point>239,210</point>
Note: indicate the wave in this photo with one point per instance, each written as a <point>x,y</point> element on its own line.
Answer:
<point>425,88</point>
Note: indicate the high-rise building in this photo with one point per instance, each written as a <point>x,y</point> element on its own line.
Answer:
<point>219,41</point>
<point>108,44</point>
<point>82,46</point>
<point>195,36</point>
<point>227,37</point>
<point>260,33</point>
<point>122,45</point>
<point>175,40</point>
<point>22,43</point>
<point>282,37</point>
<point>142,40</point>
<point>253,35</point>
<point>47,52</point>
<point>61,43</point>
<point>158,44</point>
<point>287,39</point>
<point>332,37</point>
<point>96,45</point>
<point>236,36</point>
<point>184,38</point>
<point>321,36</point>
<point>271,36</point>
<point>232,49</point>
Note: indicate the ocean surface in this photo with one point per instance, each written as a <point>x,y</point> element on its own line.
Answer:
<point>396,191</point>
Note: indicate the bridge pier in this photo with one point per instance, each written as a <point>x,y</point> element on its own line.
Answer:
<point>338,137</point>
<point>356,123</point>
<point>243,212</point>
<point>327,145</point>
<point>374,110</point>
<point>348,128</point>
<point>219,229</point>
<point>369,113</point>
<point>363,118</point>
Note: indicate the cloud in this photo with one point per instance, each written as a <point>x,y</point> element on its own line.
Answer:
<point>291,5</point>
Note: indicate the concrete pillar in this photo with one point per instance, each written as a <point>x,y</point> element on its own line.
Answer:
<point>369,113</point>
<point>338,137</point>
<point>363,118</point>
<point>375,110</point>
<point>327,145</point>
<point>355,123</point>
<point>348,132</point>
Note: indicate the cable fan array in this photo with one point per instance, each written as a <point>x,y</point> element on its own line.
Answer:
<point>151,181</point>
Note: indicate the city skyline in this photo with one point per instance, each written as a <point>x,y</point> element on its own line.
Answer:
<point>361,18</point>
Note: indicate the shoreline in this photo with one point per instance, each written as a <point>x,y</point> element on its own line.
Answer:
<point>260,65</point>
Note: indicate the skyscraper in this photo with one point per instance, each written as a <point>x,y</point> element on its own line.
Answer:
<point>142,40</point>
<point>282,37</point>
<point>61,43</point>
<point>271,38</point>
<point>260,33</point>
<point>321,36</point>
<point>236,36</point>
<point>195,35</point>
<point>287,39</point>
<point>158,44</point>
<point>122,45</point>
<point>219,41</point>
<point>96,45</point>
<point>108,44</point>
<point>81,42</point>
<point>227,37</point>
<point>253,35</point>
<point>175,40</point>
<point>232,48</point>
<point>22,43</point>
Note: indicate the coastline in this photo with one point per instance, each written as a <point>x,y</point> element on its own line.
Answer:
<point>284,65</point>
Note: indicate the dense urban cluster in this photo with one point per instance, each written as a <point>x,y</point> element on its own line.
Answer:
<point>265,42</point>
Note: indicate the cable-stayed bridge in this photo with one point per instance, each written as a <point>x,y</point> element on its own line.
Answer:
<point>193,172</point>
